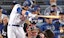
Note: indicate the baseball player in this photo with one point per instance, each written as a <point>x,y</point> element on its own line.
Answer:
<point>15,29</point>
<point>26,12</point>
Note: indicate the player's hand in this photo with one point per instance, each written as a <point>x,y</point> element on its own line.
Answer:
<point>22,17</point>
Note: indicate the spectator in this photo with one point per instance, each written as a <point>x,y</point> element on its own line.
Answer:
<point>32,32</point>
<point>58,24</point>
<point>49,34</point>
<point>5,23</point>
<point>53,13</point>
<point>47,25</point>
<point>53,7</point>
<point>60,21</point>
<point>1,18</point>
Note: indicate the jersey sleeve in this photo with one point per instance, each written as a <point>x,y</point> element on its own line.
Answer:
<point>27,13</point>
<point>17,9</point>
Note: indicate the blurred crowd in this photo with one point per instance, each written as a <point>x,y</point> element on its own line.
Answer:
<point>41,27</point>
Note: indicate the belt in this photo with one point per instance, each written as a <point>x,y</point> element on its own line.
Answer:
<point>16,25</point>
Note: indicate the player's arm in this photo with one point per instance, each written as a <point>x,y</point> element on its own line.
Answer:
<point>31,16</point>
<point>27,20</point>
<point>19,10</point>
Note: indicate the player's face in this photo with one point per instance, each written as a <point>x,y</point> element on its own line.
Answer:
<point>38,9</point>
<point>36,12</point>
<point>26,7</point>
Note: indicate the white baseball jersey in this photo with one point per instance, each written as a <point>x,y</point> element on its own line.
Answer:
<point>14,31</point>
<point>15,15</point>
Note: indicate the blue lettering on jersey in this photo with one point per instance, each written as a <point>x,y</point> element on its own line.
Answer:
<point>26,13</point>
<point>19,10</point>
